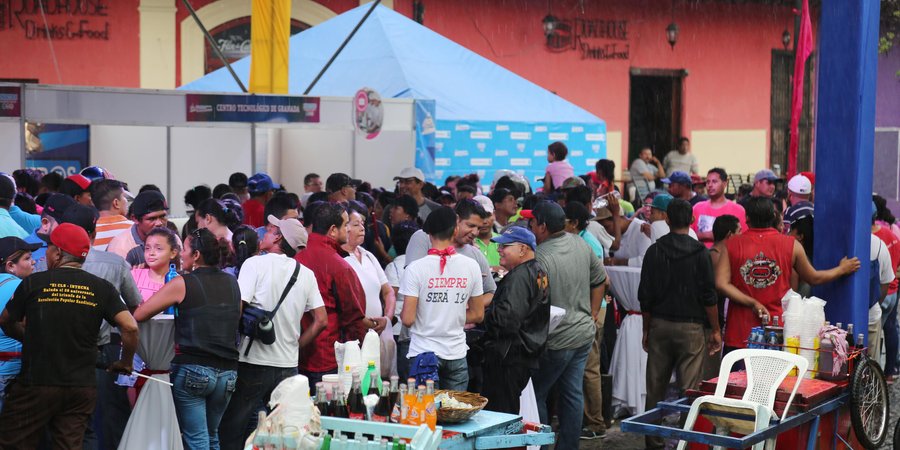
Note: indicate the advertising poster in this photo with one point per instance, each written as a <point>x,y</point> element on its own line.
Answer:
<point>368,113</point>
<point>10,101</point>
<point>64,149</point>
<point>251,108</point>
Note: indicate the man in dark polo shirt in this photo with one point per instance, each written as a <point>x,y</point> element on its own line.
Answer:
<point>56,314</point>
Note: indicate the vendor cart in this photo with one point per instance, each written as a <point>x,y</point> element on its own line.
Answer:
<point>850,413</point>
<point>485,430</point>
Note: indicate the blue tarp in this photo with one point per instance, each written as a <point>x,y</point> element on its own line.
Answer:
<point>401,59</point>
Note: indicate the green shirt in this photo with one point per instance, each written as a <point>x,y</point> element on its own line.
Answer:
<point>490,250</point>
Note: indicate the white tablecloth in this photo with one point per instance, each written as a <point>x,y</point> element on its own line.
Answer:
<point>629,360</point>
<point>153,424</point>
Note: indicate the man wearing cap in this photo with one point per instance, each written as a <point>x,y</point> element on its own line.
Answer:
<point>681,159</point>
<point>486,232</point>
<point>149,210</point>
<point>517,323</point>
<point>261,188</point>
<point>410,182</point>
<point>113,409</point>
<point>678,300</point>
<point>763,186</point>
<point>262,281</point>
<point>442,292</point>
<point>341,188</point>
<point>54,208</point>
<point>799,191</point>
<point>577,284</point>
<point>339,287</point>
<point>680,187</point>
<point>111,200</point>
<point>238,184</point>
<point>8,226</point>
<point>645,170</point>
<point>705,212</point>
<point>56,314</point>
<point>15,264</point>
<point>659,224</point>
<point>79,188</point>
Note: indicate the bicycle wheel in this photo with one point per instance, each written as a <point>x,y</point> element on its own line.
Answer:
<point>869,403</point>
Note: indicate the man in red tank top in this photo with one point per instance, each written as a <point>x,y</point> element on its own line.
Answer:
<point>754,272</point>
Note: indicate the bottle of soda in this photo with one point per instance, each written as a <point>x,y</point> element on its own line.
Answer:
<point>395,393</point>
<point>860,341</point>
<point>355,405</point>
<point>413,416</point>
<point>398,411</point>
<point>430,408</point>
<point>849,336</point>
<point>382,410</point>
<point>371,376</point>
<point>420,406</point>
<point>321,399</point>
<point>409,402</point>
<point>338,406</point>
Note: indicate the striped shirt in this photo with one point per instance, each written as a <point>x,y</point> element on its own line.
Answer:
<point>109,227</point>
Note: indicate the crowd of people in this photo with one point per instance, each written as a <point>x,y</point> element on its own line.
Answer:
<point>458,279</point>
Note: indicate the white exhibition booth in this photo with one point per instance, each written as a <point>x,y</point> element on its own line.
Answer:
<point>143,137</point>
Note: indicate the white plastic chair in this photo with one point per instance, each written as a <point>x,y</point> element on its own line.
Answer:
<point>766,369</point>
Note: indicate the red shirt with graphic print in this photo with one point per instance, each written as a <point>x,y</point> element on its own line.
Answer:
<point>761,268</point>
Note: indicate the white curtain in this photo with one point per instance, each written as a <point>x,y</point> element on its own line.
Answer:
<point>629,360</point>
<point>153,425</point>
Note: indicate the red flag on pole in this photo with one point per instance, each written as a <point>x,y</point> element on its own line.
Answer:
<point>801,54</point>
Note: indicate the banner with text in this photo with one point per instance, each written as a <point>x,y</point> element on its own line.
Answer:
<point>464,147</point>
<point>251,108</point>
<point>10,101</point>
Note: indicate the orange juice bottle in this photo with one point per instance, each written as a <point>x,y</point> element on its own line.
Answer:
<point>409,400</point>
<point>429,406</point>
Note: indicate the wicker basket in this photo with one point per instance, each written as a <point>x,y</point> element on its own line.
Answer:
<point>457,415</point>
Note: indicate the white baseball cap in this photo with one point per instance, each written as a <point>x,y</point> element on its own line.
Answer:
<point>799,184</point>
<point>485,203</point>
<point>411,172</point>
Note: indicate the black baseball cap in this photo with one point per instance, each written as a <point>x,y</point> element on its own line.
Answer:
<point>81,215</point>
<point>148,202</point>
<point>57,204</point>
<point>338,180</point>
<point>12,244</point>
<point>548,213</point>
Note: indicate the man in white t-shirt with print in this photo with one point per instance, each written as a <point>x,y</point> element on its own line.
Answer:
<point>263,280</point>
<point>441,295</point>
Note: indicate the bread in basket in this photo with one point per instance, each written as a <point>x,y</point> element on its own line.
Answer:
<point>447,414</point>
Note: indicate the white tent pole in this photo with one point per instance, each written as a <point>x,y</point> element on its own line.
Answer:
<point>168,163</point>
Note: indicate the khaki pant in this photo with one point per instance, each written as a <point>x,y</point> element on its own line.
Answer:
<point>875,332</point>
<point>672,346</point>
<point>593,395</point>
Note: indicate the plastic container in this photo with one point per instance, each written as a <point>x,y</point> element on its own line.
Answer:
<point>331,381</point>
<point>370,351</point>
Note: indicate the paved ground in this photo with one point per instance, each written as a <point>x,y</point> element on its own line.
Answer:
<point>617,440</point>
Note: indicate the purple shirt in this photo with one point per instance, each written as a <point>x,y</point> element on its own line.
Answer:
<point>559,171</point>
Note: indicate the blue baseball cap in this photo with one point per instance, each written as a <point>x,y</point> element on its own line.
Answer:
<point>261,183</point>
<point>661,202</point>
<point>678,177</point>
<point>516,235</point>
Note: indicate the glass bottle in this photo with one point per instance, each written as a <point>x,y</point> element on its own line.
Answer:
<point>430,408</point>
<point>321,399</point>
<point>338,406</point>
<point>355,406</point>
<point>398,411</point>
<point>382,410</point>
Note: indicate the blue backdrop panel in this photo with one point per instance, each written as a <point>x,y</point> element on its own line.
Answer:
<point>425,131</point>
<point>481,147</point>
<point>848,54</point>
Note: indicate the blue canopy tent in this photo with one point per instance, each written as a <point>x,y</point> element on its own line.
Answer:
<point>486,116</point>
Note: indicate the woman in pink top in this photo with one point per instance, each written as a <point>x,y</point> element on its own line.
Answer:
<point>558,169</point>
<point>160,249</point>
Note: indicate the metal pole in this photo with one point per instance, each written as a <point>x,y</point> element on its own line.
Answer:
<point>341,48</point>
<point>169,163</point>
<point>212,43</point>
<point>23,151</point>
<point>253,148</point>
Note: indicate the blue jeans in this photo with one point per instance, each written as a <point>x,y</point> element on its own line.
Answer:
<point>563,369</point>
<point>453,374</point>
<point>201,395</point>
<point>891,333</point>
<point>254,387</point>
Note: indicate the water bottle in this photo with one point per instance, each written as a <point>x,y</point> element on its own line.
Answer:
<point>172,274</point>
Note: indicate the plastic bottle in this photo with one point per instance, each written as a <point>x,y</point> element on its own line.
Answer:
<point>370,351</point>
<point>355,406</point>
<point>261,438</point>
<point>371,379</point>
<point>382,411</point>
<point>352,361</point>
<point>170,275</point>
<point>430,408</point>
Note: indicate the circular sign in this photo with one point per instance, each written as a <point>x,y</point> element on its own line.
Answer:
<point>368,113</point>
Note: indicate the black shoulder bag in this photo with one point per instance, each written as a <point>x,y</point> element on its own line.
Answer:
<point>256,323</point>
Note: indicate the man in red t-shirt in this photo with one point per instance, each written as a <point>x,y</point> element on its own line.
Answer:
<point>261,188</point>
<point>889,305</point>
<point>754,272</point>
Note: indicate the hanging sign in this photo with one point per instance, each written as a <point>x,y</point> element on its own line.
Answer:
<point>251,108</point>
<point>368,113</point>
<point>10,101</point>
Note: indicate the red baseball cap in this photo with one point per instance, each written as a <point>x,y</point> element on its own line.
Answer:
<point>526,214</point>
<point>71,239</point>
<point>82,181</point>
